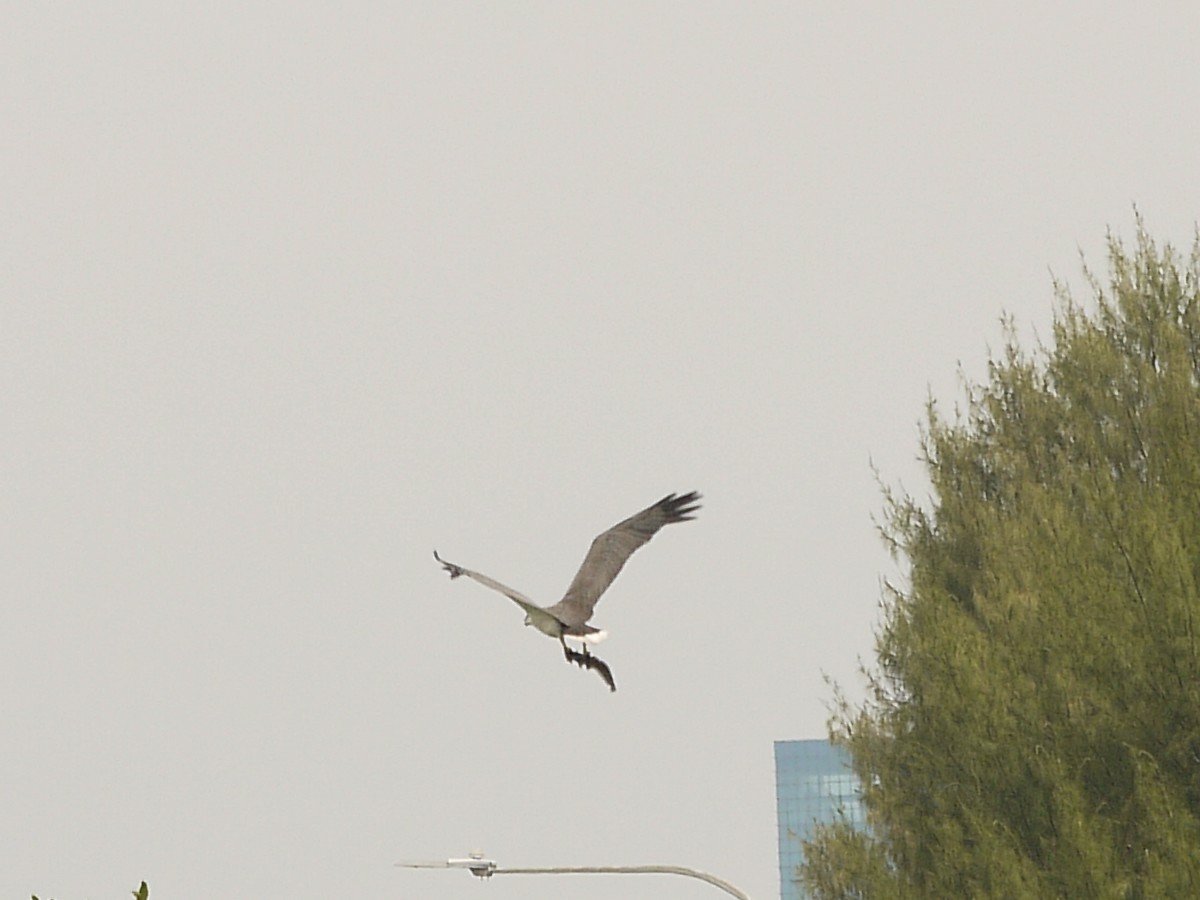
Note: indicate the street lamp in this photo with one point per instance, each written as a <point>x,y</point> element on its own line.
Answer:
<point>474,863</point>
<point>486,868</point>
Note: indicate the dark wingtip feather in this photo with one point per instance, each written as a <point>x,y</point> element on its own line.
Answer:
<point>679,508</point>
<point>450,567</point>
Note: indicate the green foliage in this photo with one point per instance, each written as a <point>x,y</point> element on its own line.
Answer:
<point>1033,721</point>
<point>142,893</point>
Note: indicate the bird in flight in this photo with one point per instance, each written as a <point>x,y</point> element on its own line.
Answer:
<point>568,617</point>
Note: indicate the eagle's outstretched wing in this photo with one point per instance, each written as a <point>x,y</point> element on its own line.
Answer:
<point>516,596</point>
<point>609,552</point>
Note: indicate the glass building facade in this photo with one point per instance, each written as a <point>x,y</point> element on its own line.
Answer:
<point>814,785</point>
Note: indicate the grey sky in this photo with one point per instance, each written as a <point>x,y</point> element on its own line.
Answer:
<point>293,293</point>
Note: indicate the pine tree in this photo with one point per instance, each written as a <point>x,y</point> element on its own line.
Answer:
<point>1032,727</point>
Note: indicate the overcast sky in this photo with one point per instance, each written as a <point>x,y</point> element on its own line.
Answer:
<point>293,293</point>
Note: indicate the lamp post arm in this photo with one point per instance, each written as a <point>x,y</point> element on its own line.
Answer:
<point>628,870</point>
